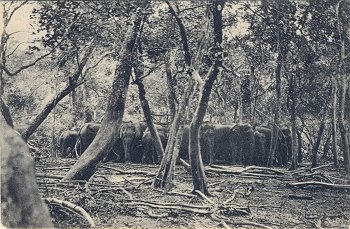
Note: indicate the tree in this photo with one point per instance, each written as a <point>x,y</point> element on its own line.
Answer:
<point>166,170</point>
<point>198,175</point>
<point>87,164</point>
<point>21,204</point>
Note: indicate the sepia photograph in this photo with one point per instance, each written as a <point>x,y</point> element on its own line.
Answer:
<point>198,114</point>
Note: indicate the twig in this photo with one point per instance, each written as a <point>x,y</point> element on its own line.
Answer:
<point>72,207</point>
<point>232,198</point>
<point>185,164</point>
<point>204,196</point>
<point>49,176</point>
<point>320,167</point>
<point>224,224</point>
<point>152,215</point>
<point>317,183</point>
<point>300,197</point>
<point>238,222</point>
<point>193,210</point>
<point>180,194</point>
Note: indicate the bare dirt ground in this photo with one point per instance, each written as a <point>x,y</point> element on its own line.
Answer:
<point>121,196</point>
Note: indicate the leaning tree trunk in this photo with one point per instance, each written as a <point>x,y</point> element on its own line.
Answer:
<point>145,107</point>
<point>277,107</point>
<point>198,175</point>
<point>72,85</point>
<point>105,139</point>
<point>165,175</point>
<point>21,204</point>
<point>318,140</point>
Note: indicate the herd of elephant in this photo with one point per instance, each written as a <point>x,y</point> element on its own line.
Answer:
<point>222,144</point>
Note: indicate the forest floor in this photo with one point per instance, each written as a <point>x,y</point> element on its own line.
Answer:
<point>121,196</point>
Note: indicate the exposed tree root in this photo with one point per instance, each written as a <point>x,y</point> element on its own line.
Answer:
<point>235,222</point>
<point>321,166</point>
<point>232,198</point>
<point>204,196</point>
<point>73,207</point>
<point>317,183</point>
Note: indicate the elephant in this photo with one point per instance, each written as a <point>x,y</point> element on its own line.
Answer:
<point>87,134</point>
<point>223,143</point>
<point>283,148</point>
<point>67,141</point>
<point>242,143</point>
<point>149,152</point>
<point>131,136</point>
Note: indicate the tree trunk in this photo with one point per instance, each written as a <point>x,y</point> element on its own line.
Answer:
<point>5,112</point>
<point>317,142</point>
<point>166,170</point>
<point>253,89</point>
<point>300,147</point>
<point>343,29</point>
<point>292,110</point>
<point>21,204</point>
<point>170,87</point>
<point>73,84</point>
<point>198,175</point>
<point>326,145</point>
<point>276,120</point>
<point>105,139</point>
<point>334,124</point>
<point>88,113</point>
<point>146,109</point>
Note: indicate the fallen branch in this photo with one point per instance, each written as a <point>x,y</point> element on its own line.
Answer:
<point>73,207</point>
<point>49,176</point>
<point>153,215</point>
<point>204,196</point>
<point>300,197</point>
<point>186,165</point>
<point>320,167</point>
<point>180,208</point>
<point>317,183</point>
<point>238,222</point>
<point>180,194</point>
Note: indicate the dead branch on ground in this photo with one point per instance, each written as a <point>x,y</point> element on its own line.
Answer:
<point>72,207</point>
<point>320,184</point>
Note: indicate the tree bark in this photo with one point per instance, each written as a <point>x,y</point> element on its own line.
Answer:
<point>343,26</point>
<point>21,204</point>
<point>170,87</point>
<point>146,108</point>
<point>166,170</point>
<point>292,111</point>
<point>276,120</point>
<point>318,141</point>
<point>326,145</point>
<point>198,175</point>
<point>5,112</point>
<point>334,124</point>
<point>253,91</point>
<point>73,84</point>
<point>105,139</point>
<point>300,144</point>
